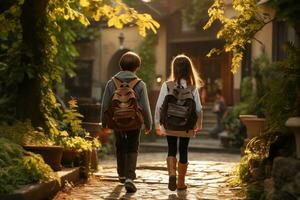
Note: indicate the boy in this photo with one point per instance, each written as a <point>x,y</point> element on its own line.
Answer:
<point>127,141</point>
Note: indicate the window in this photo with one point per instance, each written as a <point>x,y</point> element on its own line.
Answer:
<point>80,85</point>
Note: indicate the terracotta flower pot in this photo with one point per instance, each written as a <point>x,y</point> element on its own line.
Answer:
<point>294,124</point>
<point>96,130</point>
<point>254,125</point>
<point>51,154</point>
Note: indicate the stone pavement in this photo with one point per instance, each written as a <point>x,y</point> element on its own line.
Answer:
<point>206,179</point>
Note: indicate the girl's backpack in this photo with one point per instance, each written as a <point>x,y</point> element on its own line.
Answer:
<point>178,111</point>
<point>124,112</point>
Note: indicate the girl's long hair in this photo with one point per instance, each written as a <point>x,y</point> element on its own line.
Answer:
<point>182,68</point>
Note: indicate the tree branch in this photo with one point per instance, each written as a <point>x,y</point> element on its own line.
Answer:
<point>260,42</point>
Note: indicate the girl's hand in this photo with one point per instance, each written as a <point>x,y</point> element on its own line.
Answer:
<point>158,130</point>
<point>197,131</point>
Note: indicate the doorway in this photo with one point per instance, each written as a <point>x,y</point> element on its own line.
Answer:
<point>215,72</point>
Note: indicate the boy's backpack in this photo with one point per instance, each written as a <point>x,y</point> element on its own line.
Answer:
<point>178,111</point>
<point>124,112</point>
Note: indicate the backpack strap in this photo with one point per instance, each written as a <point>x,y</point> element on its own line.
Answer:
<point>134,82</point>
<point>170,86</point>
<point>117,82</point>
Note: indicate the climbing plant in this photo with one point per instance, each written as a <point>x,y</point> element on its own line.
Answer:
<point>146,50</point>
<point>196,11</point>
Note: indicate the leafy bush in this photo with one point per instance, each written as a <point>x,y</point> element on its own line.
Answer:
<point>78,143</point>
<point>71,120</point>
<point>72,136</point>
<point>283,97</point>
<point>234,128</point>
<point>23,133</point>
<point>18,167</point>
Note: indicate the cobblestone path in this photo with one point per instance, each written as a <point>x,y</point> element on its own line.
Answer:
<point>205,179</point>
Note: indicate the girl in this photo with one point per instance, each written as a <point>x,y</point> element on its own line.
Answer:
<point>183,75</point>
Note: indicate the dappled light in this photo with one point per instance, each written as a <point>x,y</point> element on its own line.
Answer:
<point>149,99</point>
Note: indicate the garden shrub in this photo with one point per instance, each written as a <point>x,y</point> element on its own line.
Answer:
<point>23,133</point>
<point>19,167</point>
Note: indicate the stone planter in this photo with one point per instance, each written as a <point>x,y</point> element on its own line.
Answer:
<point>94,159</point>
<point>294,124</point>
<point>253,124</point>
<point>69,157</point>
<point>51,154</point>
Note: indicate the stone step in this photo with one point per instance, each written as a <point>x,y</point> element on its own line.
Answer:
<point>208,114</point>
<point>198,144</point>
<point>41,191</point>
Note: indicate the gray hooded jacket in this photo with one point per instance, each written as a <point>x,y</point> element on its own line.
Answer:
<point>142,96</point>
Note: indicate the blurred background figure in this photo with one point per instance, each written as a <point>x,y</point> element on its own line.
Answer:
<point>219,108</point>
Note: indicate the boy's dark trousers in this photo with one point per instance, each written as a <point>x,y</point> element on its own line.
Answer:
<point>127,145</point>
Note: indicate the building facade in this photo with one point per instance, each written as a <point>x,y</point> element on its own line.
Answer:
<point>98,59</point>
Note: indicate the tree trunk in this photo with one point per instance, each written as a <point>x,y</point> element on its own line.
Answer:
<point>33,19</point>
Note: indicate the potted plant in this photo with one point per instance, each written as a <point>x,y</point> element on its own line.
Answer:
<point>34,140</point>
<point>73,146</point>
<point>255,126</point>
<point>75,138</point>
<point>255,118</point>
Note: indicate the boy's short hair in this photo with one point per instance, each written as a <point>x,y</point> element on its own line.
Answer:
<point>130,61</point>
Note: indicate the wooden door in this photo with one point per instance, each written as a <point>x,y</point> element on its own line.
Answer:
<point>215,72</point>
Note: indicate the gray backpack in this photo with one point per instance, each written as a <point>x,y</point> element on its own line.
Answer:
<point>178,111</point>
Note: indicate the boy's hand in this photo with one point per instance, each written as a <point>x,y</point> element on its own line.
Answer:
<point>147,131</point>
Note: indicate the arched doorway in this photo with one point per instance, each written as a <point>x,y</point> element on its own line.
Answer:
<point>113,65</point>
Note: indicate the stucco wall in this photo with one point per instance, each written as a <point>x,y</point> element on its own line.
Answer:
<point>161,55</point>
<point>264,36</point>
<point>110,44</point>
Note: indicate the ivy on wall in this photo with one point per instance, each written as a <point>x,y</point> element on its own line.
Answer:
<point>146,50</point>
<point>196,11</point>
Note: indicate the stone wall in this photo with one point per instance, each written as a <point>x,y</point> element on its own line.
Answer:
<point>285,181</point>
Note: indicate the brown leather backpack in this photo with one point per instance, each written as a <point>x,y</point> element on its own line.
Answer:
<point>124,112</point>
<point>178,111</point>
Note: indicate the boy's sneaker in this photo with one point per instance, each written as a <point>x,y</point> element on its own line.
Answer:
<point>129,185</point>
<point>122,179</point>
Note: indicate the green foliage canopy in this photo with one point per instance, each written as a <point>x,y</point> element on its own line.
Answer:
<point>57,32</point>
<point>239,30</point>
